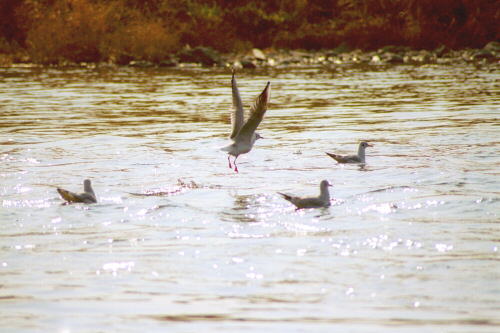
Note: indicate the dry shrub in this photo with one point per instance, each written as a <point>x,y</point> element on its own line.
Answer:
<point>55,31</point>
<point>83,30</point>
<point>142,40</point>
<point>208,27</point>
<point>308,36</point>
<point>69,30</point>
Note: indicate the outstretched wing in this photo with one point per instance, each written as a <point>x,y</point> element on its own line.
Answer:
<point>237,116</point>
<point>257,112</point>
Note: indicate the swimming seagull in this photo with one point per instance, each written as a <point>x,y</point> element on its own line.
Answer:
<point>243,133</point>
<point>359,158</point>
<point>323,200</point>
<point>87,196</point>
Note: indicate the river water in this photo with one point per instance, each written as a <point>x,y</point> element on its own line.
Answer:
<point>180,242</point>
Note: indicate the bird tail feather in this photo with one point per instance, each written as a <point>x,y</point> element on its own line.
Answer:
<point>334,156</point>
<point>67,195</point>
<point>285,196</point>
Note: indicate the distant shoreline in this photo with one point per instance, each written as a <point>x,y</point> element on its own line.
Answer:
<point>145,32</point>
<point>257,58</point>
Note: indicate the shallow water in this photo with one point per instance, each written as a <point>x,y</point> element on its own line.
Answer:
<point>179,241</point>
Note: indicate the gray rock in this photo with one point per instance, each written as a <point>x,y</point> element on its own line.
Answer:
<point>121,59</point>
<point>202,55</point>
<point>441,51</point>
<point>247,63</point>
<point>258,54</point>
<point>393,58</point>
<point>400,50</point>
<point>141,64</point>
<point>492,47</point>
<point>170,62</point>
<point>423,57</point>
<point>483,54</point>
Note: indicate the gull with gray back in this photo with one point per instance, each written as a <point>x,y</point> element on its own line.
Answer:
<point>243,132</point>
<point>323,200</point>
<point>88,195</point>
<point>359,158</point>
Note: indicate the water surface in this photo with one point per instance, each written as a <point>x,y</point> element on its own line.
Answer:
<point>179,241</point>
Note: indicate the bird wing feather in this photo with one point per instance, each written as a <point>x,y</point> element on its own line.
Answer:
<point>310,203</point>
<point>305,202</point>
<point>257,112</point>
<point>344,159</point>
<point>76,197</point>
<point>286,196</point>
<point>237,116</point>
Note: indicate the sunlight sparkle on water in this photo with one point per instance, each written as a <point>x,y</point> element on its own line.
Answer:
<point>443,247</point>
<point>179,239</point>
<point>114,267</point>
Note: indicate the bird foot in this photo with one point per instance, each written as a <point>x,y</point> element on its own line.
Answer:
<point>231,165</point>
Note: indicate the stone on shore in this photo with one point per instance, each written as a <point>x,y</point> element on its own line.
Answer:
<point>493,47</point>
<point>258,54</point>
<point>201,55</point>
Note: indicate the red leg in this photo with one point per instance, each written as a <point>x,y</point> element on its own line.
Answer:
<point>235,166</point>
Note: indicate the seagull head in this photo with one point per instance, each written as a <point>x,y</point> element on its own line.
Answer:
<point>365,144</point>
<point>86,185</point>
<point>325,183</point>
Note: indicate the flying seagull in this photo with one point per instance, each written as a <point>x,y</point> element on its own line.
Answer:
<point>323,200</point>
<point>359,158</point>
<point>87,196</point>
<point>243,134</point>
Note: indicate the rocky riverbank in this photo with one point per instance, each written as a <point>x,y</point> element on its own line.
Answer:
<point>257,58</point>
<point>387,55</point>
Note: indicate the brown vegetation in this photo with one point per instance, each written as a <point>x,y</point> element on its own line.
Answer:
<point>54,31</point>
